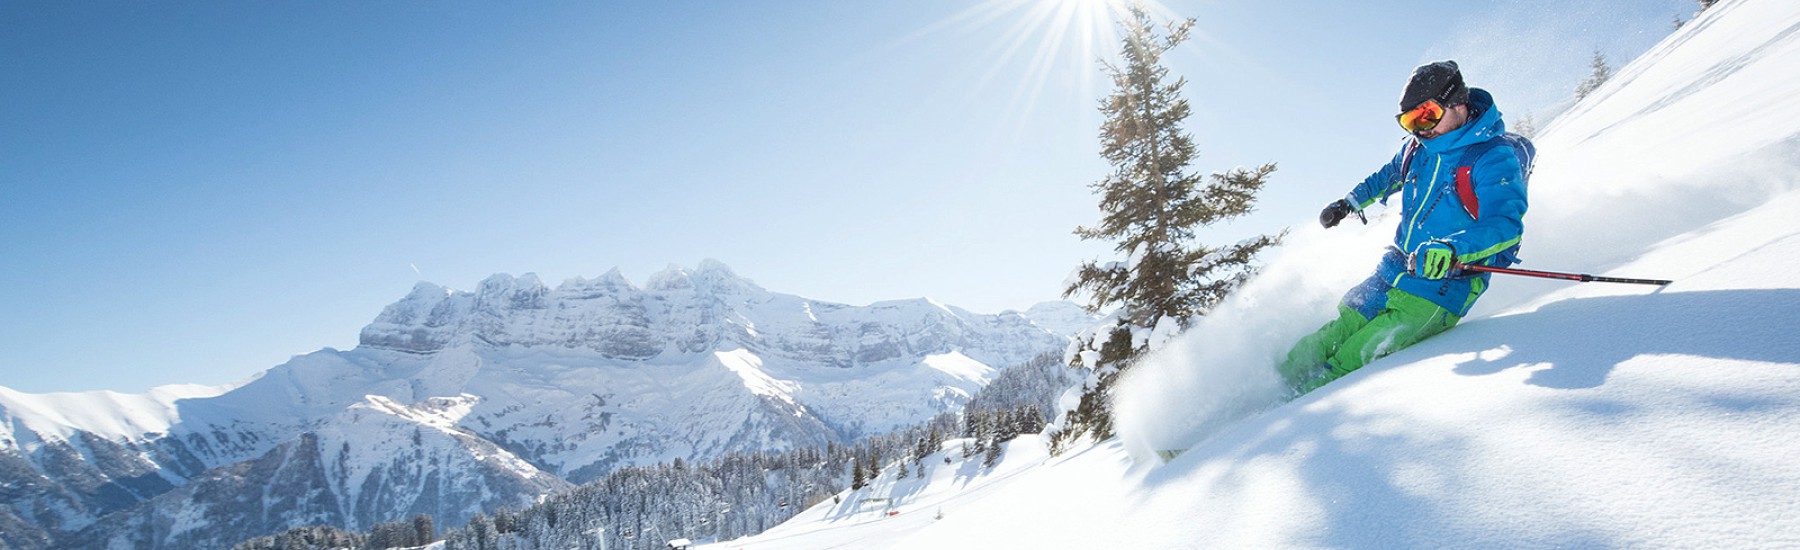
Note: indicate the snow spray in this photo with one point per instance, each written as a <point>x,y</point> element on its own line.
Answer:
<point>1223,368</point>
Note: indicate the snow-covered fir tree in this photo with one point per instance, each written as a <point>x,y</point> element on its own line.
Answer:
<point>993,454</point>
<point>1599,73</point>
<point>975,427</point>
<point>317,536</point>
<point>1038,382</point>
<point>1527,126</point>
<point>418,531</point>
<point>1153,204</point>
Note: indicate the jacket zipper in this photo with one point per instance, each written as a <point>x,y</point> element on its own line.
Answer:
<point>1437,167</point>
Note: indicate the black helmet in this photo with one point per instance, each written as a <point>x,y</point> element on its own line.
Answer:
<point>1441,81</point>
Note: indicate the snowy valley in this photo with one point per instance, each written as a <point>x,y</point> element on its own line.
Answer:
<point>457,403</point>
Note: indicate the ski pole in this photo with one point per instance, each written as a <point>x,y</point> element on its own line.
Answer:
<point>1578,277</point>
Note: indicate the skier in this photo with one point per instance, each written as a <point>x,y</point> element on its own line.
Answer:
<point>1461,179</point>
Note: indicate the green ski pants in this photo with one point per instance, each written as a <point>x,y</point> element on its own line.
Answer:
<point>1351,341</point>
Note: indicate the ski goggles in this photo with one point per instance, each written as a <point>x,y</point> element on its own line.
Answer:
<point>1424,117</point>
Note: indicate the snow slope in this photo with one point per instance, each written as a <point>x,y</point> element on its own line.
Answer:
<point>1557,415</point>
<point>108,414</point>
<point>890,507</point>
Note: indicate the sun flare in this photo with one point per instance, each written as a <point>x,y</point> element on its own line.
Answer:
<point>1039,44</point>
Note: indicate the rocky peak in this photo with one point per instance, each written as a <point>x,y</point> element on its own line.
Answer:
<point>670,278</point>
<point>502,293</point>
<point>708,308</point>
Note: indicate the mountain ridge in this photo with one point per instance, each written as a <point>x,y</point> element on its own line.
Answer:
<point>570,382</point>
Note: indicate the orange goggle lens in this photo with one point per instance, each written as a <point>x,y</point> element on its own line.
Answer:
<point>1424,117</point>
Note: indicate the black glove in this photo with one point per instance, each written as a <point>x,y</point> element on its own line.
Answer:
<point>1335,212</point>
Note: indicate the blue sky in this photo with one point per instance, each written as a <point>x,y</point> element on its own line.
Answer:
<point>195,191</point>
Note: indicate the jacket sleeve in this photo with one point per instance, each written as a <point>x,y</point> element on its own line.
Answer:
<point>1379,185</point>
<point>1500,196</point>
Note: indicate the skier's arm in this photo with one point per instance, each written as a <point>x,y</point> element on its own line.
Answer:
<point>1379,185</point>
<point>1500,196</point>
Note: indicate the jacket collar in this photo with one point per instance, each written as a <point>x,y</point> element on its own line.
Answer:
<point>1485,126</point>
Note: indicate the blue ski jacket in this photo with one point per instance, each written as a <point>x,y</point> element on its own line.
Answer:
<point>1465,188</point>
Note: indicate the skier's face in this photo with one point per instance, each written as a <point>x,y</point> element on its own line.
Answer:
<point>1454,118</point>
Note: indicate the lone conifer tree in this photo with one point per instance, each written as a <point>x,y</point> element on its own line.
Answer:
<point>1601,73</point>
<point>1153,204</point>
<point>1527,126</point>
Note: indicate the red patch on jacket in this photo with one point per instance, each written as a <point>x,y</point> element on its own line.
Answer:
<point>1465,190</point>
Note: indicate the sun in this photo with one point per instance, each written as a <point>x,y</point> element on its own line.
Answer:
<point>1055,42</point>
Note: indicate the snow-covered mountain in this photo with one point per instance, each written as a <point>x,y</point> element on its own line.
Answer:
<point>1558,415</point>
<point>456,402</point>
<point>374,461</point>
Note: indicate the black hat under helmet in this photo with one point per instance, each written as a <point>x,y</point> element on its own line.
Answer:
<point>1441,81</point>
